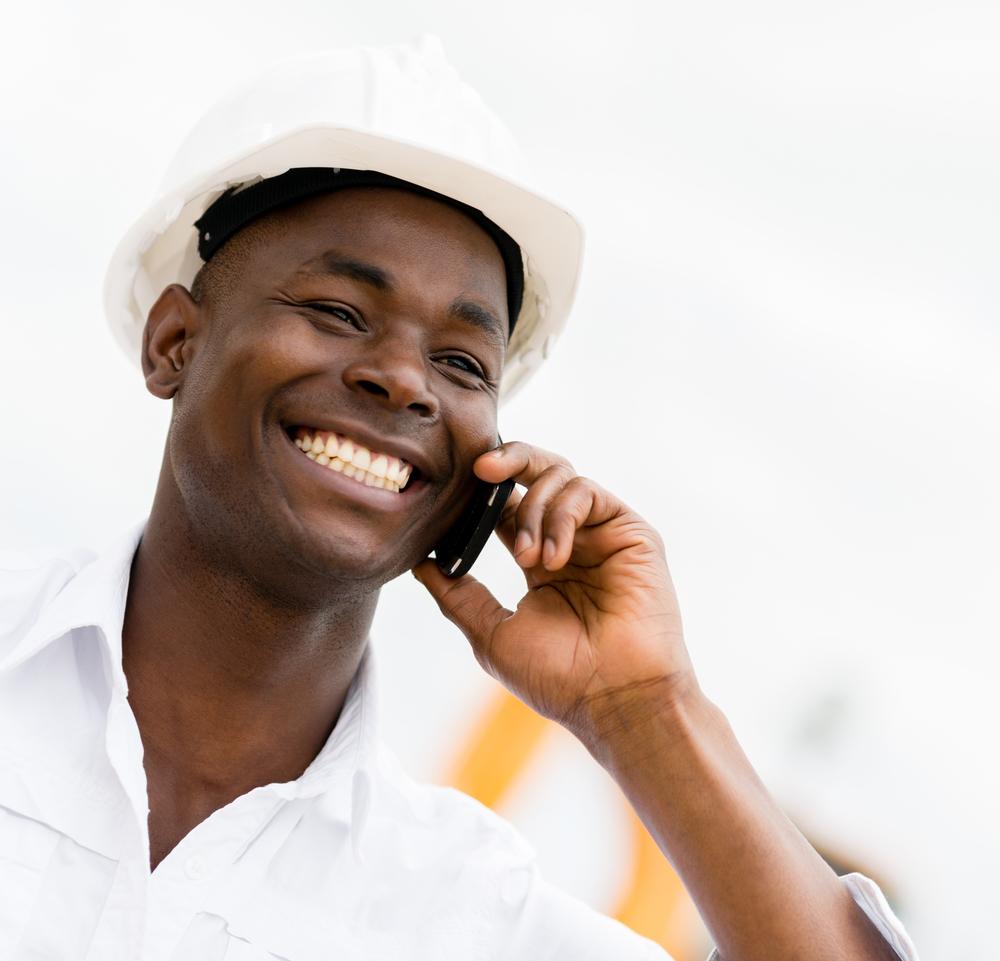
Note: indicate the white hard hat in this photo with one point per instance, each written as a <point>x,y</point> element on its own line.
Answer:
<point>400,110</point>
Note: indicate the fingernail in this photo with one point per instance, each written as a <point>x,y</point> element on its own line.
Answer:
<point>548,550</point>
<point>522,542</point>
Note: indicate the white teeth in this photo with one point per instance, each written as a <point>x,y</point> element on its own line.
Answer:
<point>354,460</point>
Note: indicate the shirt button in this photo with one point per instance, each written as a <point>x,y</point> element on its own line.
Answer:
<point>195,868</point>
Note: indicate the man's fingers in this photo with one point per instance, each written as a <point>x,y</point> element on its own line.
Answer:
<point>566,514</point>
<point>466,603</point>
<point>539,528</point>
<point>531,511</point>
<point>522,462</point>
<point>544,474</point>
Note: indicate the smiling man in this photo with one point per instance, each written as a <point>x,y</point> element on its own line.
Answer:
<point>335,374</point>
<point>190,762</point>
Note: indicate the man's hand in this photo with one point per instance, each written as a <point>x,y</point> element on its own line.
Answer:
<point>596,641</point>
<point>596,644</point>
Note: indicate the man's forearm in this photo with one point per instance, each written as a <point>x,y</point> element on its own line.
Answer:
<point>763,891</point>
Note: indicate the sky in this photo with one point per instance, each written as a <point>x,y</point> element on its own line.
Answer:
<point>782,353</point>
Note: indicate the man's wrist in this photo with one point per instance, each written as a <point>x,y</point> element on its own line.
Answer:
<point>631,727</point>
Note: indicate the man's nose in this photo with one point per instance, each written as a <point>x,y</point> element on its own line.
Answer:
<point>396,376</point>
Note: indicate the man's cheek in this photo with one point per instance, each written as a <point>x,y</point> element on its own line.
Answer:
<point>436,517</point>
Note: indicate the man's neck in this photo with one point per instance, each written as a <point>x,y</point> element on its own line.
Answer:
<point>231,686</point>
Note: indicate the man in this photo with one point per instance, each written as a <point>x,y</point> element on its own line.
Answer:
<point>190,765</point>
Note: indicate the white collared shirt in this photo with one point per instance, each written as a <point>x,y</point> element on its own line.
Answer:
<point>352,860</point>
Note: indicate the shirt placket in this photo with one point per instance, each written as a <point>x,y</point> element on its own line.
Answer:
<point>202,869</point>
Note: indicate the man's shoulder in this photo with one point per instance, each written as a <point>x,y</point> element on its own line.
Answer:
<point>451,820</point>
<point>28,584</point>
<point>491,872</point>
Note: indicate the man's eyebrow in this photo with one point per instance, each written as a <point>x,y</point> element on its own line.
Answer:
<point>479,317</point>
<point>332,263</point>
<point>336,264</point>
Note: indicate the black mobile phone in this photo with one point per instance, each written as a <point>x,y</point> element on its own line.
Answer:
<point>461,546</point>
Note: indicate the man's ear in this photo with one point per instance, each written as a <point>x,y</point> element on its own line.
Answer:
<point>166,340</point>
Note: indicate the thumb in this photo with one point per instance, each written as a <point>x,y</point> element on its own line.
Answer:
<point>467,603</point>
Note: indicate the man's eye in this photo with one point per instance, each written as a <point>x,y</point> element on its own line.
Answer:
<point>341,313</point>
<point>464,364</point>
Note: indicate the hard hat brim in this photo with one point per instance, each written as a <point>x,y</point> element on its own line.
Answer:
<point>161,247</point>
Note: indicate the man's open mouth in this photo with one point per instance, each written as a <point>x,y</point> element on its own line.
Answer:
<point>340,453</point>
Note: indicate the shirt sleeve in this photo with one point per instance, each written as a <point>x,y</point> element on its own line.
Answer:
<point>871,900</point>
<point>551,924</point>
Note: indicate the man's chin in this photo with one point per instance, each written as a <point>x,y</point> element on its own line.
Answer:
<point>342,553</point>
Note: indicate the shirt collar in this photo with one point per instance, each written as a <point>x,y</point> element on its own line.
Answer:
<point>344,770</point>
<point>93,595</point>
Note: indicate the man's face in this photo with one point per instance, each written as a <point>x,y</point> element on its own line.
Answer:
<point>372,314</point>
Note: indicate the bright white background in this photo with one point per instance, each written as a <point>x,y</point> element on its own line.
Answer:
<point>784,353</point>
